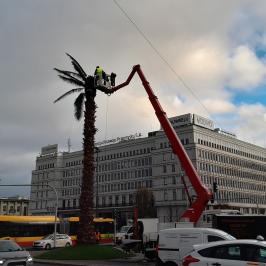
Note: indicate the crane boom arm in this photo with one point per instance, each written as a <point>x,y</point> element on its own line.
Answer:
<point>194,212</point>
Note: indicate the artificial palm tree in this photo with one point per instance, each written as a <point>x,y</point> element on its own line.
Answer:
<point>87,92</point>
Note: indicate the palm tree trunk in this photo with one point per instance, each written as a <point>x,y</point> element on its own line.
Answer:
<point>86,232</point>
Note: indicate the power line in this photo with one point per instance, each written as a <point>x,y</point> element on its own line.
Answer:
<point>161,56</point>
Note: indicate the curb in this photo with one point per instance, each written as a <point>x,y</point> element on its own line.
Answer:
<point>60,262</point>
<point>76,263</point>
<point>91,262</point>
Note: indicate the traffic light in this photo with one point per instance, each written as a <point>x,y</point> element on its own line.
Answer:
<point>212,198</point>
<point>214,187</point>
<point>115,213</point>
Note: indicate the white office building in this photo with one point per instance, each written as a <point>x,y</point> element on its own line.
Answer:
<point>125,164</point>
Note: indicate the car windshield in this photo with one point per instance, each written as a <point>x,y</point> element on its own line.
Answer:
<point>124,229</point>
<point>48,237</point>
<point>8,246</point>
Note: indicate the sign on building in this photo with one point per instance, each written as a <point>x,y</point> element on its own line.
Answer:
<point>203,122</point>
<point>49,149</point>
<point>181,120</point>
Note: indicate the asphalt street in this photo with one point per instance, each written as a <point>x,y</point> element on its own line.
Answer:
<point>103,263</point>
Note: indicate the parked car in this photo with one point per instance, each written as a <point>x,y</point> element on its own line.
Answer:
<point>175,243</point>
<point>224,253</point>
<point>47,242</point>
<point>12,254</point>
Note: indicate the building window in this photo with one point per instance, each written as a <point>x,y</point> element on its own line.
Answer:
<point>116,200</point>
<point>173,167</point>
<point>174,195</point>
<point>123,199</point>
<point>165,195</point>
<point>164,168</point>
<point>130,199</point>
<point>173,180</point>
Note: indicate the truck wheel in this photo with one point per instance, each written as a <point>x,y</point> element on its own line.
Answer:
<point>150,254</point>
<point>170,264</point>
<point>47,246</point>
<point>67,245</point>
<point>158,262</point>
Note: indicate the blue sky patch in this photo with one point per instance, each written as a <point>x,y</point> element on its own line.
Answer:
<point>251,97</point>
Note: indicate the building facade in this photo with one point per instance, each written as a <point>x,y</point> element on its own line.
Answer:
<point>14,206</point>
<point>122,165</point>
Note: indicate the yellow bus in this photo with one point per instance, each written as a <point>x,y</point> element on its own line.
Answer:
<point>104,227</point>
<point>26,229</point>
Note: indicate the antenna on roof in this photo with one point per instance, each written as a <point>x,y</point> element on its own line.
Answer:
<point>68,144</point>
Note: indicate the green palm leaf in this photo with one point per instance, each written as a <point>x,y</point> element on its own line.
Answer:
<point>72,80</point>
<point>68,93</point>
<point>77,67</point>
<point>69,73</point>
<point>78,104</point>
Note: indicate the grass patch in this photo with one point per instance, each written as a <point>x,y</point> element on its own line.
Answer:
<point>83,252</point>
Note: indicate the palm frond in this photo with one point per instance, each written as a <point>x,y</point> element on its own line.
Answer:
<point>68,93</point>
<point>78,104</point>
<point>68,73</point>
<point>78,67</point>
<point>72,80</point>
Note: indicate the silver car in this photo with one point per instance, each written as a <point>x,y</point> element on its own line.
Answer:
<point>12,254</point>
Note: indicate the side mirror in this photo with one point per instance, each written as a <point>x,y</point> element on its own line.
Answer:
<point>260,238</point>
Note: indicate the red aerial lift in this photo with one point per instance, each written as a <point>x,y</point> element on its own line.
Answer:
<point>198,204</point>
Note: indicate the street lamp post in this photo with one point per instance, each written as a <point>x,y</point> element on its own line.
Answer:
<point>56,206</point>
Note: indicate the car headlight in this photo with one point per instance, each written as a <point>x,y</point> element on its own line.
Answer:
<point>29,258</point>
<point>2,261</point>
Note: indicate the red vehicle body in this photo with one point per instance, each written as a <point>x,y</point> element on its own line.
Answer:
<point>197,206</point>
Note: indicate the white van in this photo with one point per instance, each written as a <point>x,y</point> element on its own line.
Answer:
<point>175,243</point>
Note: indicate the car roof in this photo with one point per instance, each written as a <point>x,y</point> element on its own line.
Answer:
<point>193,230</point>
<point>228,242</point>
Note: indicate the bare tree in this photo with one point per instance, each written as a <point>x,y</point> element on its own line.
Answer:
<point>145,203</point>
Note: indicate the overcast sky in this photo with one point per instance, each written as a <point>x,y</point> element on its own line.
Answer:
<point>216,47</point>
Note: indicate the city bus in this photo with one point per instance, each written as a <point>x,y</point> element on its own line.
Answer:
<point>104,227</point>
<point>26,229</point>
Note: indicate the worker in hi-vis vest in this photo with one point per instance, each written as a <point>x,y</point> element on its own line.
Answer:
<point>100,76</point>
